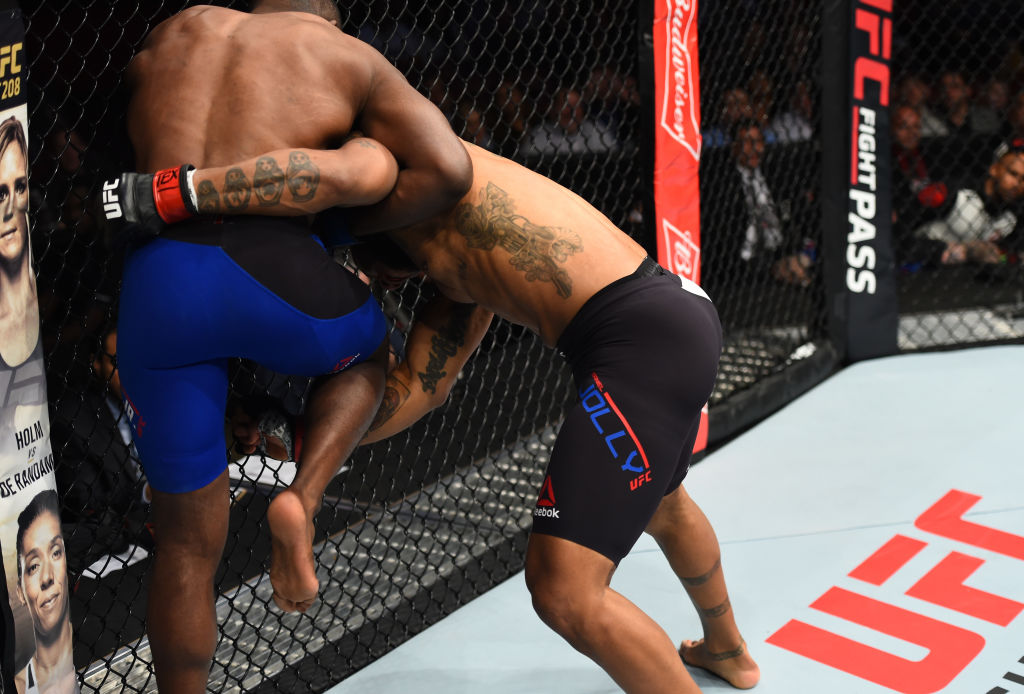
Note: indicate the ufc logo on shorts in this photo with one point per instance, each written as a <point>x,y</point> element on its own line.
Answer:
<point>111,203</point>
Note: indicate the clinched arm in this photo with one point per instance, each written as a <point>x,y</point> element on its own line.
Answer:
<point>434,167</point>
<point>440,343</point>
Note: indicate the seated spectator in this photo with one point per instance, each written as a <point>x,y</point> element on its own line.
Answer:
<point>98,464</point>
<point>979,222</point>
<point>103,490</point>
<point>917,194</point>
<point>752,222</point>
<point>913,91</point>
<point>613,99</point>
<point>761,88</point>
<point>735,108</point>
<point>796,123</point>
<point>470,125</point>
<point>567,129</point>
<point>1013,127</point>
<point>988,113</point>
<point>508,121</point>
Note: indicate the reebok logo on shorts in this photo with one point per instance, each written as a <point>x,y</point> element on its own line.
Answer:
<point>546,502</point>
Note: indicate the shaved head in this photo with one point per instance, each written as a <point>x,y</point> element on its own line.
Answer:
<point>321,8</point>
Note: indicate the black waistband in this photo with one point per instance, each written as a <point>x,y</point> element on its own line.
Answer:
<point>648,268</point>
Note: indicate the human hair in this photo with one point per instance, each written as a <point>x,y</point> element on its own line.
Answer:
<point>12,131</point>
<point>742,126</point>
<point>321,8</point>
<point>42,502</point>
<point>382,248</point>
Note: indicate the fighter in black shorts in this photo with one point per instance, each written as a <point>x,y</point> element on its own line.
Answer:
<point>643,345</point>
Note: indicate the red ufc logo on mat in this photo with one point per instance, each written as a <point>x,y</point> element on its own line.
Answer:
<point>950,648</point>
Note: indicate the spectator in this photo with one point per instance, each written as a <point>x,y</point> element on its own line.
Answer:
<point>752,229</point>
<point>470,125</point>
<point>978,222</point>
<point>1013,128</point>
<point>568,129</point>
<point>761,88</point>
<point>509,119</point>
<point>613,98</point>
<point>796,123</point>
<point>916,194</point>
<point>913,91</point>
<point>967,145</point>
<point>993,102</point>
<point>735,108</point>
<point>103,490</point>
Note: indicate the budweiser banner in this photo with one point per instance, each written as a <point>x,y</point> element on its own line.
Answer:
<point>37,621</point>
<point>677,145</point>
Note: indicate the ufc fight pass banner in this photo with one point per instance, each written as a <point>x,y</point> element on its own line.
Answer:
<point>677,145</point>
<point>37,652</point>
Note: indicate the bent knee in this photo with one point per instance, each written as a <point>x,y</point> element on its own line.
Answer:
<point>562,605</point>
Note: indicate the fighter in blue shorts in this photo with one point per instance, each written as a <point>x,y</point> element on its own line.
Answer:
<point>265,104</point>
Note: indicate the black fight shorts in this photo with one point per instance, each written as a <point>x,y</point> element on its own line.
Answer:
<point>644,355</point>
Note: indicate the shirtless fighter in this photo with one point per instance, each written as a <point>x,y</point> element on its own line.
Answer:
<point>259,287</point>
<point>644,348</point>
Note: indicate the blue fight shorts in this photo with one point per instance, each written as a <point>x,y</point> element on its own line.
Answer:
<point>258,288</point>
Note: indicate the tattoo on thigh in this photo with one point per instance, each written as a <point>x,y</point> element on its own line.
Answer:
<point>236,189</point>
<point>207,198</point>
<point>536,250</point>
<point>716,611</point>
<point>303,176</point>
<point>268,181</point>
<point>446,343</point>
<point>705,577</point>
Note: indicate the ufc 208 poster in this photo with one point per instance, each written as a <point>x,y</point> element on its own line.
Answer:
<point>37,642</point>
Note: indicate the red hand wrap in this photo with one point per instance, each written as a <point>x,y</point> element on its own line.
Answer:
<point>169,193</point>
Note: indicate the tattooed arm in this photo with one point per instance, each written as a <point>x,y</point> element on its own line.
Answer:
<point>443,337</point>
<point>299,181</point>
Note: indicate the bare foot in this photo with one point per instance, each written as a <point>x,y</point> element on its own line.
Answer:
<point>292,569</point>
<point>735,667</point>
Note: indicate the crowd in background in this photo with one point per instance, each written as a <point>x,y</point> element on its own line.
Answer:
<point>958,171</point>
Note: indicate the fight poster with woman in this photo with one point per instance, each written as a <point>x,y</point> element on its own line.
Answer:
<point>37,645</point>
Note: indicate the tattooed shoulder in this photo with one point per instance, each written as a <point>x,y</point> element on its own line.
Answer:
<point>535,250</point>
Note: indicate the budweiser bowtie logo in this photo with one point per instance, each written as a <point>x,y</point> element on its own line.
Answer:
<point>680,107</point>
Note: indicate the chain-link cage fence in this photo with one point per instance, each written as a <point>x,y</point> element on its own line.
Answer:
<point>412,527</point>
<point>416,526</point>
<point>760,175</point>
<point>957,119</point>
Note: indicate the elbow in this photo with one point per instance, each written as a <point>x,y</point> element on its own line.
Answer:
<point>440,396</point>
<point>455,173</point>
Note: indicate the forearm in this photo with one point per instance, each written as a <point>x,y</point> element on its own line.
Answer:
<point>299,181</point>
<point>402,406</point>
<point>442,339</point>
<point>419,194</point>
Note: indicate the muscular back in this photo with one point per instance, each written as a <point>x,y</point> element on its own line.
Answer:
<point>213,85</point>
<point>521,246</point>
